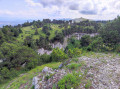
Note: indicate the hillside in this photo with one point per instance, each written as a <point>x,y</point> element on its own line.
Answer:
<point>30,31</point>
<point>77,20</point>
<point>86,50</point>
<point>96,70</point>
<point>25,80</point>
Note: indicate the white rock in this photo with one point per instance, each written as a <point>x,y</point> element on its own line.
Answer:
<point>1,61</point>
<point>35,82</point>
<point>47,70</point>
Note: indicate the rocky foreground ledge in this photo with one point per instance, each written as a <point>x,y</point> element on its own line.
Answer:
<point>47,78</point>
<point>103,72</point>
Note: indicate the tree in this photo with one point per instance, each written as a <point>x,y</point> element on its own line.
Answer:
<point>85,40</point>
<point>58,37</point>
<point>36,32</point>
<point>110,37</point>
<point>96,45</point>
<point>2,38</point>
<point>28,41</point>
<point>46,29</point>
<point>17,55</point>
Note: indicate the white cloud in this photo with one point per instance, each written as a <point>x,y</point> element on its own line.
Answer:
<point>32,3</point>
<point>117,5</point>
<point>91,9</point>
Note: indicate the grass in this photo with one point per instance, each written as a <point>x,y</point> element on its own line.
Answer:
<point>26,79</point>
<point>28,31</point>
<point>74,66</point>
<point>55,28</point>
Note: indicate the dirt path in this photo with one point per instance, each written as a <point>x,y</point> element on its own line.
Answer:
<point>105,70</point>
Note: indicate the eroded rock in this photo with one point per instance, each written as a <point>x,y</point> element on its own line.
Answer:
<point>53,76</point>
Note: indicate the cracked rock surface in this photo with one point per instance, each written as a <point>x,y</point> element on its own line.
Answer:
<point>105,70</point>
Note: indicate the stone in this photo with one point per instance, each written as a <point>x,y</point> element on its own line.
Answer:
<point>47,70</point>
<point>35,82</point>
<point>23,65</point>
<point>1,61</point>
<point>43,51</point>
<point>40,83</point>
<point>61,65</point>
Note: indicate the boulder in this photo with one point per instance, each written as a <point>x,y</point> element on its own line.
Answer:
<point>1,60</point>
<point>35,82</point>
<point>61,65</point>
<point>47,70</point>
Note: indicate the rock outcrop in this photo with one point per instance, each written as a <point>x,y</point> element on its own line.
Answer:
<point>1,61</point>
<point>47,78</point>
<point>43,51</point>
<point>65,43</point>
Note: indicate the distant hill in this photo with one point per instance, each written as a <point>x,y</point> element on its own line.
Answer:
<point>14,22</point>
<point>77,20</point>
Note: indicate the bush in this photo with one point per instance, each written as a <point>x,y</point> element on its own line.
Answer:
<point>96,45</point>
<point>75,59</point>
<point>45,58</point>
<point>88,84</point>
<point>70,53</point>
<point>68,82</point>
<point>117,49</point>
<point>73,43</point>
<point>17,55</point>
<point>75,52</point>
<point>5,73</point>
<point>85,40</point>
<point>74,66</point>
<point>58,55</point>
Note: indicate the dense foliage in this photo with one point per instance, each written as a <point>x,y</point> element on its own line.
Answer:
<point>18,43</point>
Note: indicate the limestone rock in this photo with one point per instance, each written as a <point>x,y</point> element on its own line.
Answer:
<point>47,70</point>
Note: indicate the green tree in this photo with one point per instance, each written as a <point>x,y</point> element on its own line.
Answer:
<point>17,55</point>
<point>96,45</point>
<point>85,40</point>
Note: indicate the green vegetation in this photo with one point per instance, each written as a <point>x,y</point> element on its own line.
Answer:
<point>20,80</point>
<point>18,45</point>
<point>69,81</point>
<point>58,55</point>
<point>74,66</point>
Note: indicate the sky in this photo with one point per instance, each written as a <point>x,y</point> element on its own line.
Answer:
<point>58,9</point>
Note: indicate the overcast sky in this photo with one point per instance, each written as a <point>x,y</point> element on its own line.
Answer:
<point>39,9</point>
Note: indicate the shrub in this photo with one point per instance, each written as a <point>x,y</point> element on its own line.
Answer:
<point>17,55</point>
<point>73,66</point>
<point>73,43</point>
<point>75,52</point>
<point>32,63</point>
<point>85,40</point>
<point>117,48</point>
<point>96,45</point>
<point>45,58</point>
<point>88,84</point>
<point>1,78</point>
<point>5,73</point>
<point>58,55</point>
<point>70,53</point>
<point>68,82</point>
<point>75,59</point>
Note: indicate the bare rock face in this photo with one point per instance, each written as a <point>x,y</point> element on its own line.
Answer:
<point>35,82</point>
<point>43,51</point>
<point>105,69</point>
<point>1,61</point>
<point>47,78</point>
